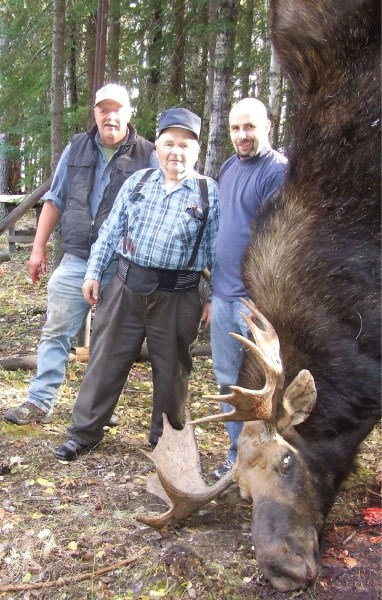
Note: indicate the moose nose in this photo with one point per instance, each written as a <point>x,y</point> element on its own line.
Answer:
<point>286,548</point>
<point>289,573</point>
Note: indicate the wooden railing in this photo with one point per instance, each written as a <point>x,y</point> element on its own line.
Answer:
<point>28,202</point>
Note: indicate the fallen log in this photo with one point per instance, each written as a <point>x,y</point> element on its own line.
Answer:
<point>29,361</point>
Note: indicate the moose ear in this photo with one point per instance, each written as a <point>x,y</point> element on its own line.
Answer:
<point>298,400</point>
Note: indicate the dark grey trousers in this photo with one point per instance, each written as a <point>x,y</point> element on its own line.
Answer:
<point>169,321</point>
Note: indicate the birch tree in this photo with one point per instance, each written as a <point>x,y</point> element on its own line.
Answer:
<point>221,96</point>
<point>275,97</point>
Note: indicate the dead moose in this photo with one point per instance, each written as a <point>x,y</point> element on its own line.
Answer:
<point>311,392</point>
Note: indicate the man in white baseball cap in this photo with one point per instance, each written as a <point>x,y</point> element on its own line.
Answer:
<point>88,177</point>
<point>115,92</point>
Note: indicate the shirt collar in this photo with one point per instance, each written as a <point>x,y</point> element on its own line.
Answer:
<point>189,181</point>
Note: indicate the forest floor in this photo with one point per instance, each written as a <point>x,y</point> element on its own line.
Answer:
<point>62,524</point>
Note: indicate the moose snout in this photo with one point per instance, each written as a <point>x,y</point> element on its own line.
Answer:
<point>286,548</point>
<point>287,572</point>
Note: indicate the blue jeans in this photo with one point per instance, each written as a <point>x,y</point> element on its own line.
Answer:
<point>66,314</point>
<point>227,355</point>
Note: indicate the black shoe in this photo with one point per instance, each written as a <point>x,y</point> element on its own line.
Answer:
<point>71,449</point>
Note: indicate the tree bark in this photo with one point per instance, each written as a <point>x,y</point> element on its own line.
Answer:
<point>89,49</point>
<point>114,41</point>
<point>154,57</point>
<point>72,93</point>
<point>57,88</point>
<point>275,98</point>
<point>177,60</point>
<point>221,97</point>
<point>4,169</point>
<point>57,103</point>
<point>99,70</point>
<point>212,16</point>
<point>246,48</point>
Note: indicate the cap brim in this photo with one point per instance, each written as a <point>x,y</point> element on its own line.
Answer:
<point>179,127</point>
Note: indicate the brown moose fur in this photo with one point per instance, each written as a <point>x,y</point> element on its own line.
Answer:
<point>313,264</point>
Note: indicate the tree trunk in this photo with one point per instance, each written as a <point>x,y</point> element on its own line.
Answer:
<point>90,48</point>
<point>212,16</point>
<point>57,102</point>
<point>99,70</point>
<point>287,124</point>
<point>154,55</point>
<point>221,97</point>
<point>4,168</point>
<point>177,60</point>
<point>72,93</point>
<point>14,168</point>
<point>246,48</point>
<point>4,161</point>
<point>275,98</point>
<point>114,41</point>
<point>57,87</point>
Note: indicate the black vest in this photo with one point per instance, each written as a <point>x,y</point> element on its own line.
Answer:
<point>78,230</point>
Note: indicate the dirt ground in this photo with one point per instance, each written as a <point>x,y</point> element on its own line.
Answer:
<point>70,531</point>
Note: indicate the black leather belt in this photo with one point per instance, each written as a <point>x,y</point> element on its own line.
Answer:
<point>145,280</point>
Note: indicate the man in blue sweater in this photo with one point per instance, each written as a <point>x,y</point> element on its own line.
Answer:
<point>246,181</point>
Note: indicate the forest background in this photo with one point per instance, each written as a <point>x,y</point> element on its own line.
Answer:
<point>198,54</point>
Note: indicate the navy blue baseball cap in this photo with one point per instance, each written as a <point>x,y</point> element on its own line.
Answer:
<point>180,117</point>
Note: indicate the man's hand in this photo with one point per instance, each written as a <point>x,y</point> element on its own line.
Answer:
<point>206,315</point>
<point>49,218</point>
<point>37,264</point>
<point>90,290</point>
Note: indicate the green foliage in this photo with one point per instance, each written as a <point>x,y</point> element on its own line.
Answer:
<point>164,60</point>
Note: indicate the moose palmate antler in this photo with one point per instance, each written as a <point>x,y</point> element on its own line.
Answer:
<point>178,480</point>
<point>253,405</point>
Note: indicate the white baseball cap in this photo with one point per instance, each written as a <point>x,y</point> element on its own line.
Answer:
<point>115,92</point>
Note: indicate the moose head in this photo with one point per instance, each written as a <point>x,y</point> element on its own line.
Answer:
<point>287,521</point>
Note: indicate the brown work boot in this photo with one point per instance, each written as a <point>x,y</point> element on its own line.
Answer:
<point>26,413</point>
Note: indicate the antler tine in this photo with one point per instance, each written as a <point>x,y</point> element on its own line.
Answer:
<point>254,405</point>
<point>265,336</point>
<point>244,401</point>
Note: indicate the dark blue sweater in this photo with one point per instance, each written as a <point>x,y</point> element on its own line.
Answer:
<point>243,186</point>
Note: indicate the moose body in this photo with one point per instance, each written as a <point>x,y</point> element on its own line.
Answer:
<point>313,269</point>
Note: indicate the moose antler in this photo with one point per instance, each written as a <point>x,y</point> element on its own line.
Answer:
<point>252,405</point>
<point>178,480</point>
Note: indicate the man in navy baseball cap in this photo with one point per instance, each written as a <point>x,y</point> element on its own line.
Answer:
<point>180,117</point>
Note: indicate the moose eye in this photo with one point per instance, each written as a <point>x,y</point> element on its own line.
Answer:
<point>286,463</point>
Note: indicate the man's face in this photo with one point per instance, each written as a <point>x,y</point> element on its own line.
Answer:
<point>177,151</point>
<point>249,132</point>
<point>111,119</point>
